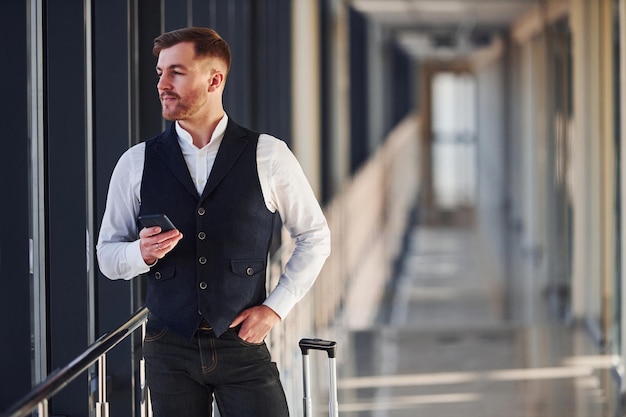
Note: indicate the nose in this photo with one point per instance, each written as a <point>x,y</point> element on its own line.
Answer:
<point>163,83</point>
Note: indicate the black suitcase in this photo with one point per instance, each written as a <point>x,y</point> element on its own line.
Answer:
<point>330,347</point>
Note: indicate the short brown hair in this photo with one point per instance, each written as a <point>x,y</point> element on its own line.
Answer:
<point>208,43</point>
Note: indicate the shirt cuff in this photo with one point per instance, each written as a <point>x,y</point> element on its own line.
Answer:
<point>134,258</point>
<point>281,301</point>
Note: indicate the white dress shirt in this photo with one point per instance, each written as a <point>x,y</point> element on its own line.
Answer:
<point>285,189</point>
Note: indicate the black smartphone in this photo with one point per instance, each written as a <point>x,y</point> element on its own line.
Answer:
<point>161,220</point>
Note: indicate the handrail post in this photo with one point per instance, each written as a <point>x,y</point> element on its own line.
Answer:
<point>146,408</point>
<point>42,409</point>
<point>102,406</point>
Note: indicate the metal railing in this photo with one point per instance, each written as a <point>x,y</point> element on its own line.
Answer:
<point>96,352</point>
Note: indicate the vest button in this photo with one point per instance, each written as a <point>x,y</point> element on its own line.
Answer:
<point>202,260</point>
<point>249,271</point>
<point>203,285</point>
<point>157,275</point>
<point>201,211</point>
<point>201,235</point>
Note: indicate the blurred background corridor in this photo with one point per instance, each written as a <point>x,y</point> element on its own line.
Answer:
<point>467,154</point>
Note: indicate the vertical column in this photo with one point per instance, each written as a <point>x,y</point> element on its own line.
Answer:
<point>554,253</point>
<point>427,193</point>
<point>540,174</point>
<point>39,302</point>
<point>593,144</point>
<point>335,117</point>
<point>66,197</point>
<point>148,108</point>
<point>401,84</point>
<point>305,88</point>
<point>585,164</point>
<point>490,167</point>
<point>359,93</point>
<point>513,179</point>
<point>378,108</point>
<point>113,108</point>
<point>15,305</point>
<point>607,166</point>
<point>622,179</point>
<point>529,179</point>
<point>271,67</point>
<point>580,71</point>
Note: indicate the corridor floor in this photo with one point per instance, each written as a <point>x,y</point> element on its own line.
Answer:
<point>441,348</point>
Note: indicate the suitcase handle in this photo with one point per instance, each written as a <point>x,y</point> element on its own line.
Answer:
<point>318,344</point>
<point>329,347</point>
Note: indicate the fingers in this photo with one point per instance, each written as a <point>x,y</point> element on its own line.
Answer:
<point>149,231</point>
<point>256,322</point>
<point>155,245</point>
<point>239,319</point>
<point>163,246</point>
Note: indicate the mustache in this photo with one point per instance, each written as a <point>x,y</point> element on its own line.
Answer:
<point>164,95</point>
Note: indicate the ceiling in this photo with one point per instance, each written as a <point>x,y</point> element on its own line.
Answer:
<point>444,29</point>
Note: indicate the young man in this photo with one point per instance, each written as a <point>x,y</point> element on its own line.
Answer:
<point>221,185</point>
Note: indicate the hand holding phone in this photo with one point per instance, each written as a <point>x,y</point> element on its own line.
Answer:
<point>156,246</point>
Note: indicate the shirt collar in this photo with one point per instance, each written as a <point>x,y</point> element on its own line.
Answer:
<point>218,133</point>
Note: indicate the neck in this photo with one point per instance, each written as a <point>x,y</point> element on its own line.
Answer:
<point>201,129</point>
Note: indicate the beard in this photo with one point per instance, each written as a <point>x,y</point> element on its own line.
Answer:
<point>182,108</point>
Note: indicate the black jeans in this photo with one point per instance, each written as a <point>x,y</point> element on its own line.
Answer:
<point>183,374</point>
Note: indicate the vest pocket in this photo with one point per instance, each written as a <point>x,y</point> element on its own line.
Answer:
<point>247,267</point>
<point>162,272</point>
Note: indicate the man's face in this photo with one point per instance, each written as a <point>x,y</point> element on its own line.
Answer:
<point>183,82</point>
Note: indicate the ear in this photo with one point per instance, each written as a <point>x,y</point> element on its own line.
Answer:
<point>216,81</point>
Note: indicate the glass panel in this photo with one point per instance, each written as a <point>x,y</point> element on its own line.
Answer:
<point>454,147</point>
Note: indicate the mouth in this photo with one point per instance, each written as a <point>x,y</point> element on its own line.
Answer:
<point>167,98</point>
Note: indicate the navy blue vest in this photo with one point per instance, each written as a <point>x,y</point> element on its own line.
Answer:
<point>218,268</point>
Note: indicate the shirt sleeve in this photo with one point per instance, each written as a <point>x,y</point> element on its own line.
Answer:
<point>290,193</point>
<point>119,256</point>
